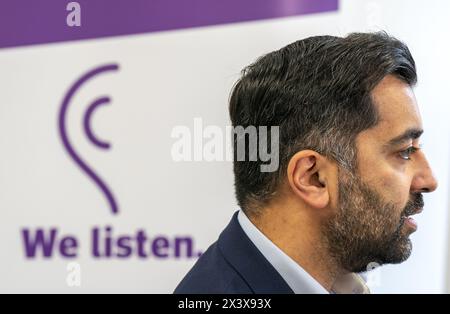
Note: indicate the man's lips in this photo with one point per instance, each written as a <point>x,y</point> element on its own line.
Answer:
<point>409,221</point>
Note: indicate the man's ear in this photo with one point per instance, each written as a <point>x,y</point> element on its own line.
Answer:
<point>308,178</point>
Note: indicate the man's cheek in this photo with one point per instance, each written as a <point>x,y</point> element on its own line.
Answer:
<point>393,189</point>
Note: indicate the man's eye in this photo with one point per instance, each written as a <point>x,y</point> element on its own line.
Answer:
<point>406,154</point>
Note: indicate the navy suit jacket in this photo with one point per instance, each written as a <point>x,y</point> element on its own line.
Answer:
<point>233,265</point>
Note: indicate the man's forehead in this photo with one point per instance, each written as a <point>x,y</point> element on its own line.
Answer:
<point>397,108</point>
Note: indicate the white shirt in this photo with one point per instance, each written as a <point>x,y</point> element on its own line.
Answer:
<point>295,276</point>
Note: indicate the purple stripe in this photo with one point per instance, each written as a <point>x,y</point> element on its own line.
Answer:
<point>28,22</point>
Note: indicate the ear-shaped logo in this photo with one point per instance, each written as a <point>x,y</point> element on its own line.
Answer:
<point>88,130</point>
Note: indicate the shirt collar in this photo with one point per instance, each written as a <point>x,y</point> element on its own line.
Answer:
<point>295,276</point>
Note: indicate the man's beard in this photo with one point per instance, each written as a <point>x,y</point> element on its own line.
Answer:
<point>366,229</point>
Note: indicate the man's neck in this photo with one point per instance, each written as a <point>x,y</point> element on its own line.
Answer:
<point>300,238</point>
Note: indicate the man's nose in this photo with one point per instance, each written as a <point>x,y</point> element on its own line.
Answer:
<point>424,180</point>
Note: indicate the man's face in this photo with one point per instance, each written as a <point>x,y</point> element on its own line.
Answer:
<point>372,223</point>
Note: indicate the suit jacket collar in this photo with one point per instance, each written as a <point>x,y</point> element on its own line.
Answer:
<point>248,261</point>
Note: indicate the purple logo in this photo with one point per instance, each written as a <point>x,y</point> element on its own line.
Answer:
<point>88,130</point>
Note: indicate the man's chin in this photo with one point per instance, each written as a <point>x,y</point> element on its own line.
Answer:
<point>401,253</point>
<point>395,254</point>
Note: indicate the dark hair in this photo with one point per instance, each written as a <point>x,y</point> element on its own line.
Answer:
<point>318,91</point>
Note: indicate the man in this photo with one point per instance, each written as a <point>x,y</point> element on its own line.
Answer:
<point>351,172</point>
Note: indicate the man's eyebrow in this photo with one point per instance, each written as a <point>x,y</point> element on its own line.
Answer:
<point>409,134</point>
